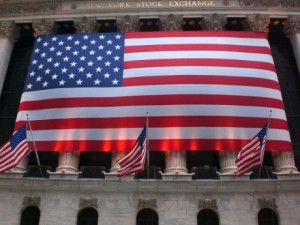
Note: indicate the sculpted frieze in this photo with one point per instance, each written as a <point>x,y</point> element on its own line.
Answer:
<point>29,8</point>
<point>270,3</point>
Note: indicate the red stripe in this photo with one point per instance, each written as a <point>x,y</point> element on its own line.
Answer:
<point>233,34</point>
<point>170,121</point>
<point>157,145</point>
<point>203,79</point>
<point>199,62</point>
<point>198,47</point>
<point>153,100</point>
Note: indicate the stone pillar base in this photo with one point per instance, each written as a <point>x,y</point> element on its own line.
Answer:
<point>68,162</point>
<point>227,162</point>
<point>284,162</point>
<point>114,157</point>
<point>177,176</point>
<point>176,162</point>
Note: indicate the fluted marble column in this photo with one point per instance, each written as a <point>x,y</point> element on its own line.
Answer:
<point>284,162</point>
<point>8,37</point>
<point>124,24</point>
<point>175,161</point>
<point>227,162</point>
<point>292,30</point>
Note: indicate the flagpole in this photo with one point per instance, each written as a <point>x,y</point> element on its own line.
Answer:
<point>147,146</point>
<point>34,145</point>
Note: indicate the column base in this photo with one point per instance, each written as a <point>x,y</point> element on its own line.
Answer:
<point>62,175</point>
<point>234,177</point>
<point>12,174</point>
<point>176,176</point>
<point>288,176</point>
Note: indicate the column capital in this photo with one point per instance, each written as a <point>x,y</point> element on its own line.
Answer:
<point>85,24</point>
<point>258,22</point>
<point>128,23</point>
<point>171,22</point>
<point>8,29</point>
<point>214,22</point>
<point>292,26</point>
<point>43,27</point>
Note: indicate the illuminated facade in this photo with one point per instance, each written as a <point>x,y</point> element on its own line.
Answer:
<point>192,186</point>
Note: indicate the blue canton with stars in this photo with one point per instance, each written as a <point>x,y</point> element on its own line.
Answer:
<point>77,60</point>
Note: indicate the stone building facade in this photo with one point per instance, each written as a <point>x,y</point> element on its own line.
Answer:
<point>174,194</point>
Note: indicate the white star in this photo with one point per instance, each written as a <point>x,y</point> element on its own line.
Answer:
<point>45,44</point>
<point>99,58</point>
<point>82,58</point>
<point>58,53</point>
<point>109,42</point>
<point>34,62</point>
<point>100,47</point>
<point>49,60</point>
<point>116,69</point>
<point>64,70</point>
<point>93,42</point>
<point>107,63</point>
<point>106,75</point>
<point>68,48</point>
<point>117,47</point>
<point>61,43</point>
<point>71,76</point>
<point>54,38</point>
<point>90,63</point>
<point>118,36</point>
<point>75,53</point>
<point>43,54</point>
<point>37,50</point>
<point>98,69</point>
<point>97,82</point>
<point>79,82</point>
<point>29,86</point>
<point>108,52</point>
<point>41,66</point>
<point>102,37</point>
<point>81,69</point>
<point>115,82</point>
<point>66,58</point>
<point>31,74</point>
<point>62,82</point>
<point>89,75</point>
<point>39,39</point>
<point>39,78</point>
<point>116,58</point>
<point>54,77</point>
<point>84,47</point>
<point>85,37</point>
<point>70,38</point>
<point>45,84</point>
<point>47,71</point>
<point>52,49</point>
<point>77,42</point>
<point>73,63</point>
<point>56,64</point>
<point>92,52</point>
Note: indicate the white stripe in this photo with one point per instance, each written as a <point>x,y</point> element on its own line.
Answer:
<point>255,57</point>
<point>261,42</point>
<point>200,70</point>
<point>153,90</point>
<point>157,133</point>
<point>154,111</point>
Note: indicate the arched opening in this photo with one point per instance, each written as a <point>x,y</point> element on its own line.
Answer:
<point>267,216</point>
<point>30,216</point>
<point>87,216</point>
<point>207,217</point>
<point>147,217</point>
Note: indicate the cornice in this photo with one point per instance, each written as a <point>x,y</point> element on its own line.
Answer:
<point>270,3</point>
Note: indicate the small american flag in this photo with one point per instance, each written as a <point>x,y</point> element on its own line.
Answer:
<point>134,161</point>
<point>252,155</point>
<point>14,150</point>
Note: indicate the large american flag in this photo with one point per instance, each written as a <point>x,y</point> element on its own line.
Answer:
<point>201,90</point>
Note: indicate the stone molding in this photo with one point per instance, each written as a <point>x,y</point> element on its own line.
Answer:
<point>214,22</point>
<point>171,22</point>
<point>284,162</point>
<point>292,26</point>
<point>128,23</point>
<point>88,202</point>
<point>29,8</point>
<point>8,29</point>
<point>142,204</point>
<point>267,203</point>
<point>43,27</point>
<point>257,22</point>
<point>207,204</point>
<point>31,200</point>
<point>269,3</point>
<point>85,24</point>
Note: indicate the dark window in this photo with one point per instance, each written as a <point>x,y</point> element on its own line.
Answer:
<point>267,217</point>
<point>87,216</point>
<point>147,217</point>
<point>207,217</point>
<point>105,26</point>
<point>191,24</point>
<point>149,24</point>
<point>30,216</point>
